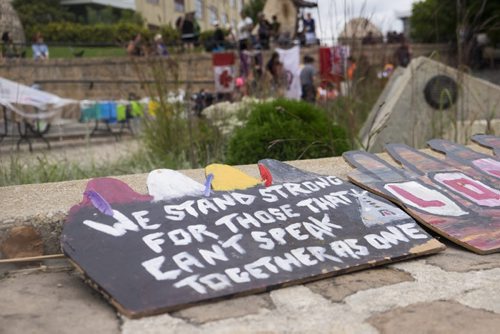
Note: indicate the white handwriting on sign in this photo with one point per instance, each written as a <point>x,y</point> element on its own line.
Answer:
<point>204,206</point>
<point>200,254</point>
<point>262,268</point>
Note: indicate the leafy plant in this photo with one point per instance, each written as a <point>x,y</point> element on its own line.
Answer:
<point>42,169</point>
<point>286,130</point>
<point>172,134</point>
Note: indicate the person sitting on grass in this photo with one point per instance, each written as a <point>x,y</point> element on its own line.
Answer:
<point>135,47</point>
<point>9,49</point>
<point>40,49</point>
<point>161,48</point>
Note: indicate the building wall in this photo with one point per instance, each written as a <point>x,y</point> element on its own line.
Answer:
<point>161,12</point>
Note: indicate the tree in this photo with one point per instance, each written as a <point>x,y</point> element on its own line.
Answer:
<point>253,8</point>
<point>433,21</point>
<point>33,12</point>
<point>442,21</point>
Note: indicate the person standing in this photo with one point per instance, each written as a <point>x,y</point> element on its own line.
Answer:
<point>219,38</point>
<point>275,68</point>
<point>264,31</point>
<point>403,54</point>
<point>307,80</point>
<point>188,35</point>
<point>245,27</point>
<point>309,29</point>
<point>275,28</point>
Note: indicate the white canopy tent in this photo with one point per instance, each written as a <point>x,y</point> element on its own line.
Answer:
<point>13,95</point>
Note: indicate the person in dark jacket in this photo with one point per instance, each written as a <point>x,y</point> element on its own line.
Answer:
<point>188,32</point>
<point>218,38</point>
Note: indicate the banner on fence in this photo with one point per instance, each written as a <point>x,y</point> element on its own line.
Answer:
<point>224,73</point>
<point>291,65</point>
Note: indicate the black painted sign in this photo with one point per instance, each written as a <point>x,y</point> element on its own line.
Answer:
<point>151,257</point>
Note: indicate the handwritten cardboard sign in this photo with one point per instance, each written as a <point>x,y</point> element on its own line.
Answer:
<point>151,257</point>
<point>458,198</point>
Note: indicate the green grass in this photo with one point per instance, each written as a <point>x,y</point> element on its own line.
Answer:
<point>42,170</point>
<point>90,52</point>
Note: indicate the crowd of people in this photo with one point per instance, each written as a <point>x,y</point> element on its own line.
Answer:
<point>249,38</point>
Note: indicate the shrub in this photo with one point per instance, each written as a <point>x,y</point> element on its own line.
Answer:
<point>67,32</point>
<point>286,130</point>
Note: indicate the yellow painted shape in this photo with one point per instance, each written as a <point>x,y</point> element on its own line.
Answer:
<point>230,178</point>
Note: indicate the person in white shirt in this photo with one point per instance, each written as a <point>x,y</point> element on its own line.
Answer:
<point>245,27</point>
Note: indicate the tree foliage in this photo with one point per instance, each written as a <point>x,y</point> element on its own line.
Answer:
<point>55,21</point>
<point>110,15</point>
<point>253,8</point>
<point>33,12</point>
<point>439,21</point>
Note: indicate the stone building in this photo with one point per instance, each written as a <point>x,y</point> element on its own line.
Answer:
<point>9,21</point>
<point>161,12</point>
<point>286,12</point>
<point>358,29</point>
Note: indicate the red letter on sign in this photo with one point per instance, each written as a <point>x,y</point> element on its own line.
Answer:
<point>418,201</point>
<point>471,189</point>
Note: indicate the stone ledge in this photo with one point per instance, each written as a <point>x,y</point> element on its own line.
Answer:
<point>44,206</point>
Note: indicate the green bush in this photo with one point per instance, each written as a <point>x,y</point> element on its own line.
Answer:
<point>286,130</point>
<point>67,32</point>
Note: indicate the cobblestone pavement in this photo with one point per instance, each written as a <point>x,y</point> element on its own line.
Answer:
<point>453,291</point>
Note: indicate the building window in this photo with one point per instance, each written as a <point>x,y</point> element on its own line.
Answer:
<point>231,3</point>
<point>179,6</point>
<point>214,15</point>
<point>198,9</point>
<point>240,5</point>
<point>153,2</point>
<point>224,19</point>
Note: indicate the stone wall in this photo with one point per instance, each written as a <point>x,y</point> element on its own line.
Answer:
<point>115,78</point>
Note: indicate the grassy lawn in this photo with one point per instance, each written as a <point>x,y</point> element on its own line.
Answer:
<point>89,52</point>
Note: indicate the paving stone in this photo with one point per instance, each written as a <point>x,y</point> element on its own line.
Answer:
<point>487,297</point>
<point>436,317</point>
<point>337,288</point>
<point>225,309</point>
<point>52,302</point>
<point>462,260</point>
